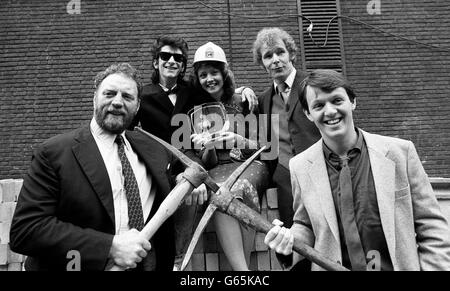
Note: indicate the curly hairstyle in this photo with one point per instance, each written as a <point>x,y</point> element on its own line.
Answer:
<point>228,79</point>
<point>175,42</point>
<point>268,36</point>
<point>120,68</point>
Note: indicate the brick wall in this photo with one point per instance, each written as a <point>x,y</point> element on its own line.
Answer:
<point>403,88</point>
<point>49,58</point>
<point>9,191</point>
<point>208,254</point>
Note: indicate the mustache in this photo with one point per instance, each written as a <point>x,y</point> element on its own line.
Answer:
<point>116,112</point>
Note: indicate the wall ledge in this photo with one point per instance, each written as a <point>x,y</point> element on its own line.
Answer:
<point>441,187</point>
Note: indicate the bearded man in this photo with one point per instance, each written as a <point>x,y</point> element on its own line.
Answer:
<point>89,192</point>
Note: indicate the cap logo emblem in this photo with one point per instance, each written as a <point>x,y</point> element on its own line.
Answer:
<point>209,53</point>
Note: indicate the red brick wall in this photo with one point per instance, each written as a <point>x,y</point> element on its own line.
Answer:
<point>49,58</point>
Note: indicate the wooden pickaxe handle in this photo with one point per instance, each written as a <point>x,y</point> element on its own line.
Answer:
<point>165,210</point>
<point>245,214</point>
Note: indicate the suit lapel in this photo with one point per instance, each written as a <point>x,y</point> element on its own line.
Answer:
<point>319,177</point>
<point>152,155</point>
<point>383,171</point>
<point>267,99</point>
<point>293,96</point>
<point>182,98</point>
<point>91,162</point>
<point>267,104</point>
<point>161,97</point>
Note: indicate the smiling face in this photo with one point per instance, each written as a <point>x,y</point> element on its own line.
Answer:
<point>276,60</point>
<point>116,103</point>
<point>211,80</point>
<point>332,113</point>
<point>169,69</point>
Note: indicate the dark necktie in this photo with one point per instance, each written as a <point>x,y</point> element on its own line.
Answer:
<point>135,214</point>
<point>173,90</point>
<point>347,211</point>
<point>283,91</point>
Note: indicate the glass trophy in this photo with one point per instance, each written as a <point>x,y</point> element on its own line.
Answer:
<point>209,119</point>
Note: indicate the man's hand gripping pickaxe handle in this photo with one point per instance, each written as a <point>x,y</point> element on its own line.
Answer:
<point>193,177</point>
<point>250,217</point>
<point>232,207</point>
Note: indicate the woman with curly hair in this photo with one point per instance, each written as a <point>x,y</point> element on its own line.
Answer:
<point>223,151</point>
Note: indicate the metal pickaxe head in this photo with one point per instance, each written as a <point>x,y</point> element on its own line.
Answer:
<point>209,182</point>
<point>224,200</point>
<point>185,160</point>
<point>221,199</point>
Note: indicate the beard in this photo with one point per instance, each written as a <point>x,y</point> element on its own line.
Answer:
<point>109,122</point>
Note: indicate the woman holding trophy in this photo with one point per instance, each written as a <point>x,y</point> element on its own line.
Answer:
<point>226,132</point>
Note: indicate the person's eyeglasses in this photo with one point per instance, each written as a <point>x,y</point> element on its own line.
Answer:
<point>179,58</point>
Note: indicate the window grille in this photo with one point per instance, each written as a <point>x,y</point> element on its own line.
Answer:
<point>313,55</point>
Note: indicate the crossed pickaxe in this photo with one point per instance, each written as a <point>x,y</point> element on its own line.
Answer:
<point>222,199</point>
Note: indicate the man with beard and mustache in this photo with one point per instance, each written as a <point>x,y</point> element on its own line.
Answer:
<point>90,191</point>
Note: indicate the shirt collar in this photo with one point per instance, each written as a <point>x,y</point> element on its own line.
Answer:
<point>105,137</point>
<point>359,143</point>
<point>289,80</point>
<point>167,89</point>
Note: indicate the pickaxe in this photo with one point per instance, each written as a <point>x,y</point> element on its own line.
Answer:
<point>222,199</point>
<point>193,176</point>
<point>225,202</point>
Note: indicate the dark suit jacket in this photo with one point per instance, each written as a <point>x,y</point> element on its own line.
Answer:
<point>302,131</point>
<point>156,110</point>
<point>66,203</point>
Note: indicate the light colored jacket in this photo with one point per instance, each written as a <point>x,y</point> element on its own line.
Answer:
<point>417,234</point>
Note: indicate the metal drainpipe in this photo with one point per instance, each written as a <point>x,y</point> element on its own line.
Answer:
<point>230,44</point>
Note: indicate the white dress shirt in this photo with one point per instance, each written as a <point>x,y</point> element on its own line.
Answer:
<point>108,149</point>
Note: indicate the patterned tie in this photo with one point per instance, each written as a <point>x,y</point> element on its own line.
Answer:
<point>347,209</point>
<point>283,90</point>
<point>135,214</point>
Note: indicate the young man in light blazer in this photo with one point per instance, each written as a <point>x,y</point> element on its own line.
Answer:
<point>361,199</point>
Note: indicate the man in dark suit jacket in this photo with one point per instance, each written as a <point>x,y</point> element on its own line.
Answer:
<point>169,95</point>
<point>275,50</point>
<point>76,198</point>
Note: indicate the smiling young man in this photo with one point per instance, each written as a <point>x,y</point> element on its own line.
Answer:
<point>169,95</point>
<point>275,50</point>
<point>361,199</point>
